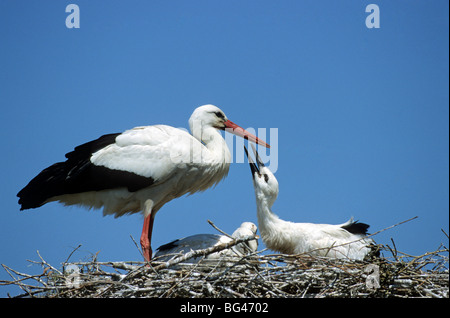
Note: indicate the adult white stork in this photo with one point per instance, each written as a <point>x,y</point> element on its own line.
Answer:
<point>347,240</point>
<point>140,169</point>
<point>202,241</point>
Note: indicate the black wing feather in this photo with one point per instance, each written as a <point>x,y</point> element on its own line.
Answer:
<point>78,174</point>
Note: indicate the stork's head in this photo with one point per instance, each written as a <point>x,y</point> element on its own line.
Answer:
<point>265,183</point>
<point>208,116</point>
<point>246,229</point>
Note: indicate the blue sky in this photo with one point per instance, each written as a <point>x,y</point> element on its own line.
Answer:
<point>362,114</point>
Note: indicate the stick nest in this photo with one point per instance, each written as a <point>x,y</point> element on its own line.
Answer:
<point>256,275</point>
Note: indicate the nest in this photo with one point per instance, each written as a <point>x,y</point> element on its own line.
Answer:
<point>255,276</point>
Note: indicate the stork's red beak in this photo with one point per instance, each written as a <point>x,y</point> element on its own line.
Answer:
<point>239,131</point>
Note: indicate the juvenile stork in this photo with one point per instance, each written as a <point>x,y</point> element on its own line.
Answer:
<point>140,169</point>
<point>347,240</point>
<point>202,241</point>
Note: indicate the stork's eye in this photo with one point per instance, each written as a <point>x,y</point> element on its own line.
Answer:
<point>220,115</point>
<point>266,178</point>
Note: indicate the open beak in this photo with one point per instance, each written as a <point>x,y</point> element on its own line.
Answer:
<point>258,159</point>
<point>239,131</point>
<point>253,167</point>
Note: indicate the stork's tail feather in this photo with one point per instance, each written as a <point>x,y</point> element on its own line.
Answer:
<point>356,227</point>
<point>47,184</point>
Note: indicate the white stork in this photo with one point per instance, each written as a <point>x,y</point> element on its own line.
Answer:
<point>202,241</point>
<point>140,169</point>
<point>347,240</point>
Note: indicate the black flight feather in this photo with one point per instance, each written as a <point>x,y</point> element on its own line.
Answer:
<point>78,174</point>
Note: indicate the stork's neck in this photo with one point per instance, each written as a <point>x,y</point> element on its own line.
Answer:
<point>267,220</point>
<point>214,142</point>
<point>275,232</point>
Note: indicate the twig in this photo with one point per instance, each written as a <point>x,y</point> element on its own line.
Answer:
<point>43,262</point>
<point>70,255</point>
<point>215,227</point>
<point>392,226</point>
<point>137,247</point>
<point>394,252</point>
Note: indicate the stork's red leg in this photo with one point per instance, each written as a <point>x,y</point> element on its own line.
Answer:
<point>146,237</point>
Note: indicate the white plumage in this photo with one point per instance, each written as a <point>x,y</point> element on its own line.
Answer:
<point>140,169</point>
<point>347,240</point>
<point>203,241</point>
<point>161,153</point>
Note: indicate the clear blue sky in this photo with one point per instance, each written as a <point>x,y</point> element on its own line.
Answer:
<point>362,114</point>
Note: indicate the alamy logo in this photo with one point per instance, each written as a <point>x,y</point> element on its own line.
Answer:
<point>373,276</point>
<point>373,19</point>
<point>72,273</point>
<point>193,152</point>
<point>73,19</point>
